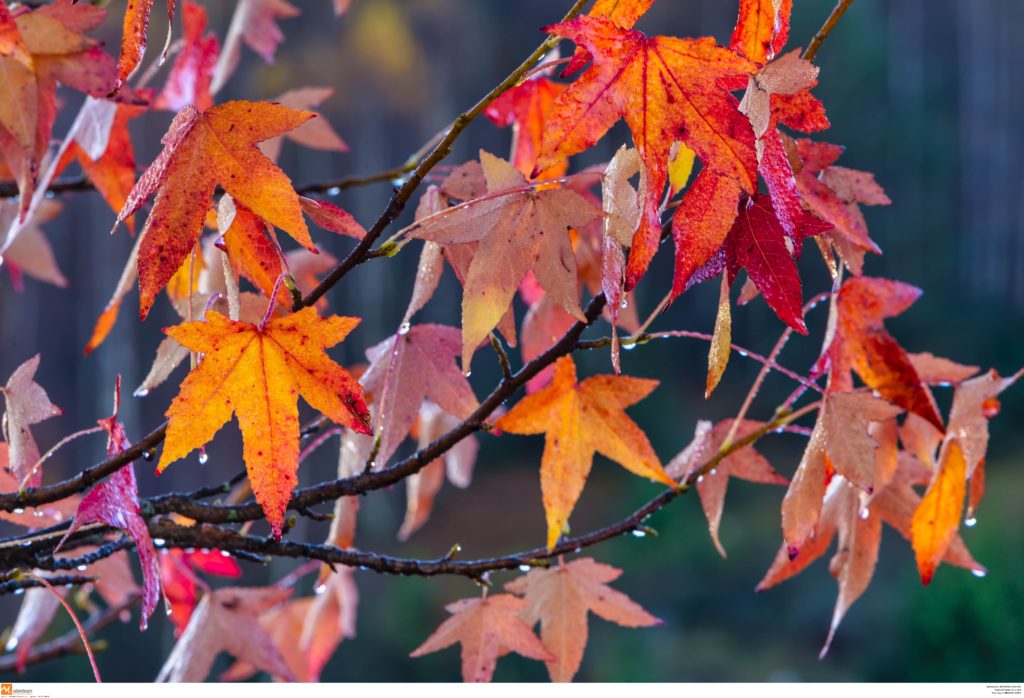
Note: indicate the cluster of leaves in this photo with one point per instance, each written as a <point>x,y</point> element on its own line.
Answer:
<point>528,225</point>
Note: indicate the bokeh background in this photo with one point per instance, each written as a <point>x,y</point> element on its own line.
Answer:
<point>925,93</point>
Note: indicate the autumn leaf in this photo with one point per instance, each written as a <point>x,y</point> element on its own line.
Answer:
<point>201,150</point>
<point>560,599</point>
<point>526,108</point>
<point>974,404</point>
<point>721,340</point>
<point>762,28</point>
<point>862,344</point>
<point>255,24</point>
<point>316,133</point>
<point>856,517</point>
<point>115,502</point>
<point>412,365</point>
<point>257,372</point>
<point>745,463</point>
<point>31,253</point>
<point>27,404</point>
<point>47,46</point>
<point>937,517</point>
<point>519,228</point>
<point>108,159</point>
<point>483,627</point>
<point>843,442</point>
<point>133,37</point>
<point>579,420</point>
<point>181,583</point>
<point>227,620</point>
<point>758,243</point>
<point>457,464</point>
<point>188,82</point>
<point>667,89</point>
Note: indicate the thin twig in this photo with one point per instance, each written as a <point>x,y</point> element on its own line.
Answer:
<point>837,12</point>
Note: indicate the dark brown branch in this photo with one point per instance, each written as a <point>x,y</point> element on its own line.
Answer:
<point>80,482</point>
<point>15,585</point>
<point>226,539</point>
<point>837,12</point>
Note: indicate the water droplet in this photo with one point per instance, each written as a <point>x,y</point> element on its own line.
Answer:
<point>979,573</point>
<point>578,550</point>
<point>624,304</point>
<point>159,542</point>
<point>628,346</point>
<point>468,374</point>
<point>19,592</point>
<point>742,353</point>
<point>189,551</point>
<point>524,568</point>
<point>203,457</point>
<point>865,513</point>
<point>404,328</point>
<point>700,479</point>
<point>320,588</point>
<point>639,533</point>
<point>970,521</point>
<point>148,455</point>
<point>12,644</point>
<point>714,471</point>
<point>224,553</point>
<point>38,514</point>
<point>18,511</point>
<point>333,191</point>
<point>80,568</point>
<point>141,392</point>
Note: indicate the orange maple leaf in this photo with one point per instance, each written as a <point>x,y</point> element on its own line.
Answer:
<point>560,599</point>
<point>581,419</point>
<point>484,627</point>
<point>258,372</point>
<point>937,517</point>
<point>761,28</point>
<point>668,90</point>
<point>201,150</point>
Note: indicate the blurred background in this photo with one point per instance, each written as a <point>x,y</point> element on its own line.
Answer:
<point>922,92</point>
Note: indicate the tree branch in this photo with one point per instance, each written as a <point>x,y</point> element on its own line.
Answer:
<point>229,540</point>
<point>837,12</point>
